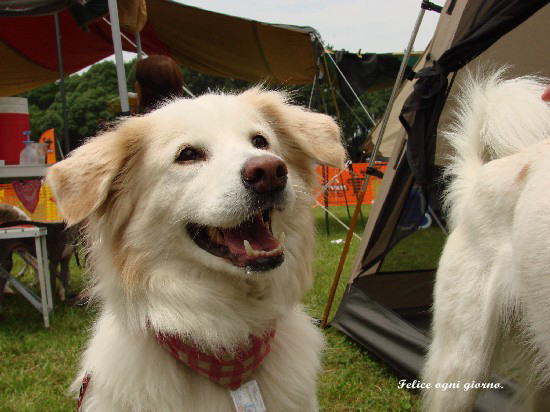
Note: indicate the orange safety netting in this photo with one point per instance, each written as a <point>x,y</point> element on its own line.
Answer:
<point>343,188</point>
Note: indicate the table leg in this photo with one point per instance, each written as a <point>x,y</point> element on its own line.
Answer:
<point>48,276</point>
<point>44,283</point>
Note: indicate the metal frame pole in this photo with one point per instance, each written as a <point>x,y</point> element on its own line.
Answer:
<point>138,45</point>
<point>119,60</point>
<point>372,160</point>
<point>66,142</point>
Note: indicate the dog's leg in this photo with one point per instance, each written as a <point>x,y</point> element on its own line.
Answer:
<point>64,274</point>
<point>532,245</point>
<point>536,310</point>
<point>3,285</point>
<point>54,275</point>
<point>465,327</point>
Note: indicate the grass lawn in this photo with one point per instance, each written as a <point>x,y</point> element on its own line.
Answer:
<point>37,365</point>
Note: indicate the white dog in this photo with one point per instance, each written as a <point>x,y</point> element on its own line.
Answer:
<point>493,284</point>
<point>186,210</point>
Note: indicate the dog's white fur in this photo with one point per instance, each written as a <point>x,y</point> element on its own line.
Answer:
<point>149,274</point>
<point>493,284</point>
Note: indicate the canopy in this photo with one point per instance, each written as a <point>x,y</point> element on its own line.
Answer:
<point>205,41</point>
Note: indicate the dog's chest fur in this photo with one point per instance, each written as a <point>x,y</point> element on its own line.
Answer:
<point>128,380</point>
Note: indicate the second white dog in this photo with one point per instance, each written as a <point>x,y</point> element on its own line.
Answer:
<point>492,293</point>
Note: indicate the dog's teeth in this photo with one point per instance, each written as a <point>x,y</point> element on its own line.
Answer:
<point>248,248</point>
<point>282,238</point>
<point>276,251</point>
<point>215,235</point>
<point>261,253</point>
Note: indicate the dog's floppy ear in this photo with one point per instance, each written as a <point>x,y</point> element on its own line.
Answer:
<point>316,135</point>
<point>82,182</point>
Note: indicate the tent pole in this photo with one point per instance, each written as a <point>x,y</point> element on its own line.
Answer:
<point>323,168</point>
<point>325,197</point>
<point>347,83</point>
<point>343,186</point>
<point>119,60</point>
<point>66,143</point>
<point>138,45</point>
<point>338,114</point>
<point>372,160</point>
<point>331,86</point>
<point>312,90</point>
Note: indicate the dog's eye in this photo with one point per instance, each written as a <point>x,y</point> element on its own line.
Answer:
<point>190,154</point>
<point>259,142</point>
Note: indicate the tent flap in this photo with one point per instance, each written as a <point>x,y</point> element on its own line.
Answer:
<point>421,112</point>
<point>381,331</point>
<point>395,341</point>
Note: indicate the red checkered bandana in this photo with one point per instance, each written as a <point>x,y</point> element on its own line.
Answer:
<point>227,369</point>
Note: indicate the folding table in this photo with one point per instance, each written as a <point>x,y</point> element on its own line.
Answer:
<point>44,303</point>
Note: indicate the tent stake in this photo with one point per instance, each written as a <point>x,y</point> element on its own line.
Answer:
<point>372,160</point>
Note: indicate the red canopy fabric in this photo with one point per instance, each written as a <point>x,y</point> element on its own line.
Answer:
<point>210,42</point>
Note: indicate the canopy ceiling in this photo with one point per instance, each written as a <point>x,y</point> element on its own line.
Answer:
<point>205,41</point>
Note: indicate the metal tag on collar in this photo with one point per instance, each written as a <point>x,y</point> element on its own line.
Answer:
<point>248,398</point>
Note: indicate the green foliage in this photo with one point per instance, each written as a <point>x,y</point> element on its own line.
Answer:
<point>88,97</point>
<point>200,83</point>
<point>92,101</point>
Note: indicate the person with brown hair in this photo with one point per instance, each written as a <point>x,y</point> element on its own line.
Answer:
<point>157,78</point>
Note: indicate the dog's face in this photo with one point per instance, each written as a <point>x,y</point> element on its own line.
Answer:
<point>214,180</point>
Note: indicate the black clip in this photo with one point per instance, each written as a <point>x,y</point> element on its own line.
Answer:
<point>373,171</point>
<point>428,5</point>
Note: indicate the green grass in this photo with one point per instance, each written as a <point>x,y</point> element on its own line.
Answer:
<point>37,365</point>
<point>351,379</point>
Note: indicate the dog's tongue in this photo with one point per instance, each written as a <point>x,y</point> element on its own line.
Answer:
<point>257,234</point>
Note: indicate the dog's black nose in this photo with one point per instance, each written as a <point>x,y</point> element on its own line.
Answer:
<point>265,174</point>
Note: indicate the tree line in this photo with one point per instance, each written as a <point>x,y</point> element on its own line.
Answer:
<point>92,101</point>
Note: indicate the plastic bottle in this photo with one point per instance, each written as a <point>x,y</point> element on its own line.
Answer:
<point>28,155</point>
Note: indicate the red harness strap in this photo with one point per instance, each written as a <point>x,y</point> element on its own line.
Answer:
<point>83,388</point>
<point>229,369</point>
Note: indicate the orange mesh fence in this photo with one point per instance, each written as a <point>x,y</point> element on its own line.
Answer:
<point>344,188</point>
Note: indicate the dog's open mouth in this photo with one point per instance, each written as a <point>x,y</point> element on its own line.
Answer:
<point>250,245</point>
